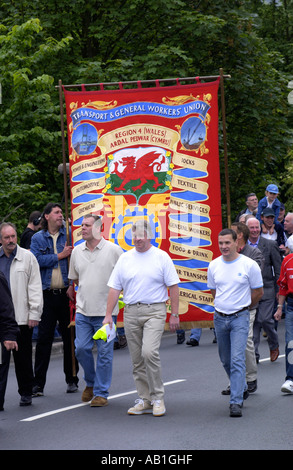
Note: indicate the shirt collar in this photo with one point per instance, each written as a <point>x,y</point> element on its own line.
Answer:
<point>253,244</point>
<point>99,246</point>
<point>13,253</point>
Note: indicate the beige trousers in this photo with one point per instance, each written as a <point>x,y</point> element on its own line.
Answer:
<point>251,365</point>
<point>144,326</point>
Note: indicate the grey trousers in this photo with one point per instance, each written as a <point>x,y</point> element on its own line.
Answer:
<point>144,325</point>
<point>264,320</point>
<point>251,365</point>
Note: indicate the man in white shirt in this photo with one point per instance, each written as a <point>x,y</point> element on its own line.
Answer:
<point>236,283</point>
<point>144,274</point>
<point>91,264</point>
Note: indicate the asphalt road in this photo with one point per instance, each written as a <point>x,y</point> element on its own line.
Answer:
<point>197,416</point>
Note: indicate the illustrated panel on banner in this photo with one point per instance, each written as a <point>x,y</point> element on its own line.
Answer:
<point>152,153</point>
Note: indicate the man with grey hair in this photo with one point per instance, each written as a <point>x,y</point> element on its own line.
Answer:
<point>270,273</point>
<point>22,273</point>
<point>144,274</point>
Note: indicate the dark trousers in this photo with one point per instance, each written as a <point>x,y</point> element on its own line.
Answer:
<point>56,308</point>
<point>4,368</point>
<point>22,362</point>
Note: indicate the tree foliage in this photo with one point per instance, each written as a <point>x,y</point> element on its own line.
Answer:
<point>120,40</point>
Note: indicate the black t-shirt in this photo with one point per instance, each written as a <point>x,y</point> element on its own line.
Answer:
<point>25,238</point>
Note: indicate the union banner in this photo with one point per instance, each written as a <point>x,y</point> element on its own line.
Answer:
<point>151,153</point>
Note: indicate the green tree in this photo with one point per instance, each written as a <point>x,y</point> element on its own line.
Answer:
<point>147,39</point>
<point>30,137</point>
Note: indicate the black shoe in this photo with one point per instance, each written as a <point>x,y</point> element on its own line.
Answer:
<point>226,391</point>
<point>252,386</point>
<point>122,341</point>
<point>245,395</point>
<point>71,388</point>
<point>192,342</point>
<point>235,411</point>
<point>37,391</point>
<point>180,337</point>
<point>25,400</point>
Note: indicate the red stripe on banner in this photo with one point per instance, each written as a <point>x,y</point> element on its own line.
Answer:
<point>151,153</point>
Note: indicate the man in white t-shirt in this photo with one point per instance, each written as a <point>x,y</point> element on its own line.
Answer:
<point>91,265</point>
<point>236,283</point>
<point>144,274</point>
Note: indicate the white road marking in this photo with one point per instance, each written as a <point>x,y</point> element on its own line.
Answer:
<point>268,359</point>
<point>68,408</point>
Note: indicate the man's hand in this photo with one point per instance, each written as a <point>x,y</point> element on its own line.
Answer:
<point>9,345</point>
<point>70,292</point>
<point>66,252</point>
<point>108,319</point>
<point>173,323</point>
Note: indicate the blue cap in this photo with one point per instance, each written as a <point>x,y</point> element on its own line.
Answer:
<point>272,188</point>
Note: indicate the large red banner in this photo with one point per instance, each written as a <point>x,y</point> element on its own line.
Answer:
<point>151,153</point>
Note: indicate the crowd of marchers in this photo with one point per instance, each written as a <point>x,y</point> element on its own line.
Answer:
<point>43,278</point>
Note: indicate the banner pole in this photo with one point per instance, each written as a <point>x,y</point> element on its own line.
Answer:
<point>225,147</point>
<point>71,324</point>
<point>135,82</point>
<point>64,162</point>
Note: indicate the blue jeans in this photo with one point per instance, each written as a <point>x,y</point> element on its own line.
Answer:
<point>100,377</point>
<point>232,334</point>
<point>289,339</point>
<point>195,333</point>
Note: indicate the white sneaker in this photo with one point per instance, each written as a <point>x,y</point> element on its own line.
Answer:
<point>158,407</point>
<point>287,387</point>
<point>141,407</point>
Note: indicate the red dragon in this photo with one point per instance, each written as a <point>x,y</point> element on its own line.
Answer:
<point>142,169</point>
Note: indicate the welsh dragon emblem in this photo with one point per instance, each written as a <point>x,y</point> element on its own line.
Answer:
<point>139,174</point>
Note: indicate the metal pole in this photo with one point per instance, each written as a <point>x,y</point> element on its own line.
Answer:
<point>71,325</point>
<point>134,82</point>
<point>64,162</point>
<point>225,148</point>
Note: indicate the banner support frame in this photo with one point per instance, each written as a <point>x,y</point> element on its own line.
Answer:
<point>71,325</point>
<point>223,108</point>
<point>220,77</point>
<point>64,161</point>
<point>135,82</point>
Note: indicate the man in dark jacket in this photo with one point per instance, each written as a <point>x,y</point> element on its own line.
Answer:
<point>270,272</point>
<point>49,246</point>
<point>8,330</point>
<point>251,206</point>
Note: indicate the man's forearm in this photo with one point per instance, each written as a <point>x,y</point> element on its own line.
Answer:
<point>256,295</point>
<point>113,297</point>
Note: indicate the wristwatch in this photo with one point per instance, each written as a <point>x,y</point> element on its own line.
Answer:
<point>175,315</point>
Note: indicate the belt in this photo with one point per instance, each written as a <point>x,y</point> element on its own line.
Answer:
<point>231,314</point>
<point>56,291</point>
<point>141,303</point>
